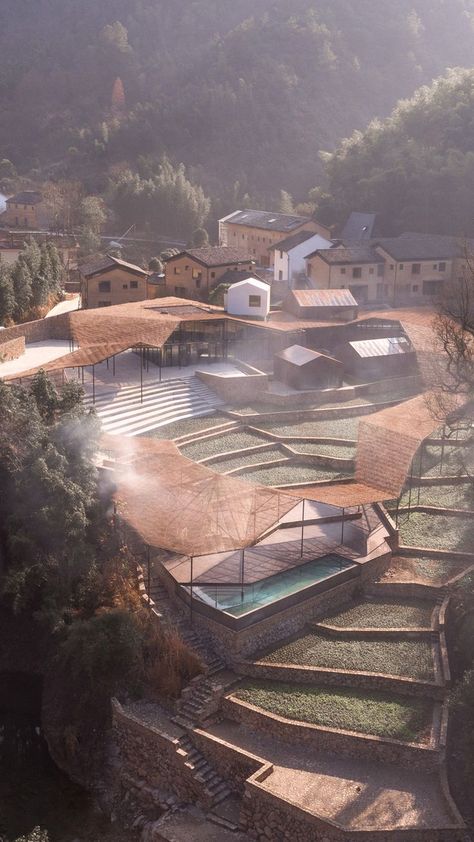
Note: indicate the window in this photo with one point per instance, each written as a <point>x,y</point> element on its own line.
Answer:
<point>213,274</point>
<point>442,267</point>
<point>255,300</point>
<point>432,287</point>
<point>435,265</point>
<point>380,270</point>
<point>281,255</point>
<point>198,283</point>
<point>104,286</point>
<point>280,275</point>
<point>415,288</point>
<point>186,268</point>
<point>196,273</point>
<point>416,268</point>
<point>343,270</point>
<point>177,270</point>
<point>402,266</point>
<point>357,272</point>
<point>104,303</point>
<point>133,284</point>
<point>124,286</point>
<point>371,270</point>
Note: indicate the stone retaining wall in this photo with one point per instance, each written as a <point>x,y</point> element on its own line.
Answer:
<point>332,740</point>
<point>56,327</point>
<point>12,349</point>
<point>151,756</point>
<point>274,819</point>
<point>233,764</point>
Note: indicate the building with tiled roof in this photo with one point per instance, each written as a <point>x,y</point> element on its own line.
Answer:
<point>257,231</point>
<point>108,280</point>
<point>290,253</point>
<point>302,368</point>
<point>23,210</point>
<point>358,268</point>
<point>324,304</point>
<point>193,273</point>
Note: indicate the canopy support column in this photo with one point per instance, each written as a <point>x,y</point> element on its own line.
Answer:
<point>302,530</point>
<point>93,384</point>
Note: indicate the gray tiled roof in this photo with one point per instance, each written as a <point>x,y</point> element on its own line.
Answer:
<point>354,254</point>
<point>359,227</point>
<point>410,246</point>
<point>215,255</point>
<point>267,220</point>
<point>294,240</point>
<point>26,197</point>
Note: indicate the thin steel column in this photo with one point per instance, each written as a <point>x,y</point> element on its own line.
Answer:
<point>242,573</point>
<point>93,384</point>
<point>113,365</point>
<point>149,574</point>
<point>191,592</point>
<point>342,525</point>
<point>141,375</point>
<point>302,530</point>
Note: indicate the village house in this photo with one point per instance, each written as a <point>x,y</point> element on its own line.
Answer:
<point>289,255</point>
<point>418,265</point>
<point>24,210</point>
<point>360,269</point>
<point>195,272</point>
<point>256,231</point>
<point>109,280</point>
<point>321,304</point>
<point>249,297</point>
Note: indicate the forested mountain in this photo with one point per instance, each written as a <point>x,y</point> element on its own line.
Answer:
<point>415,169</point>
<point>237,90</point>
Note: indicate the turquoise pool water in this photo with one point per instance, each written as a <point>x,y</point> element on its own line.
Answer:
<point>237,600</point>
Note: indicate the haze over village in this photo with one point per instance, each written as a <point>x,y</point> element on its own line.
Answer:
<point>237,421</point>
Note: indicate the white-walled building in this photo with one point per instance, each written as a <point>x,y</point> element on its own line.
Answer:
<point>289,254</point>
<point>250,297</point>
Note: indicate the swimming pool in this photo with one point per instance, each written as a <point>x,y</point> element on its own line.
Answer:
<point>238,600</point>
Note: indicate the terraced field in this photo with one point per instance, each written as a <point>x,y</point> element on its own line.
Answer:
<point>440,532</point>
<point>410,658</point>
<point>291,475</point>
<point>388,614</point>
<point>249,458</point>
<point>187,426</point>
<point>443,496</point>
<point>343,428</point>
<point>221,444</point>
<point>394,717</point>
<point>429,571</point>
<point>315,449</point>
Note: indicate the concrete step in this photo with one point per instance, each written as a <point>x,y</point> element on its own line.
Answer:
<point>144,420</point>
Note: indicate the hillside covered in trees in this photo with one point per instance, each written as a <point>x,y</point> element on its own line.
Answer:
<point>237,91</point>
<point>415,169</point>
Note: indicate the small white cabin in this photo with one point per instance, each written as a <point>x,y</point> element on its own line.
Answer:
<point>250,297</point>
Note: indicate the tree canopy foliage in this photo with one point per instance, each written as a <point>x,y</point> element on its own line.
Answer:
<point>32,283</point>
<point>415,169</point>
<point>237,91</point>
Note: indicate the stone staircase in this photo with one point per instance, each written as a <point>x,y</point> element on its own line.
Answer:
<point>122,412</point>
<point>215,789</point>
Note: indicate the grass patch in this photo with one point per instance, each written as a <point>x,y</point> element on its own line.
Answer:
<point>221,444</point>
<point>430,571</point>
<point>229,464</point>
<point>388,614</point>
<point>291,474</point>
<point>339,428</point>
<point>186,426</point>
<point>314,449</point>
<point>439,532</point>
<point>395,717</point>
<point>443,496</point>
<point>410,658</point>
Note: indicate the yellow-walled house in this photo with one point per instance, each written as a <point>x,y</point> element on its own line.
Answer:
<point>109,280</point>
<point>358,268</point>
<point>257,231</point>
<point>24,210</point>
<point>195,272</point>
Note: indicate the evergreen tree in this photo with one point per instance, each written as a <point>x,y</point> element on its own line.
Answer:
<point>286,203</point>
<point>31,256</point>
<point>22,291</point>
<point>7,298</point>
<point>57,267</point>
<point>200,238</point>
